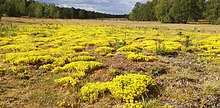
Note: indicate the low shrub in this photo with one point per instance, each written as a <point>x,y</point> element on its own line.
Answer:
<point>218,21</point>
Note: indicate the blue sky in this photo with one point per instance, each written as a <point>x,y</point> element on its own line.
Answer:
<point>106,6</point>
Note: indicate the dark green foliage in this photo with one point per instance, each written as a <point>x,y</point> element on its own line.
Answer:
<point>198,8</point>
<point>162,10</point>
<point>180,11</point>
<point>2,2</point>
<point>212,12</point>
<point>38,10</point>
<point>51,11</point>
<point>176,11</point>
<point>218,21</point>
<point>144,12</point>
<point>82,14</point>
<point>134,15</point>
<point>33,8</point>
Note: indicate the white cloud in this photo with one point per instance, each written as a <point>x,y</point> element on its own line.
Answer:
<point>107,6</point>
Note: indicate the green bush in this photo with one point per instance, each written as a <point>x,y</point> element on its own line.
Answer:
<point>218,21</point>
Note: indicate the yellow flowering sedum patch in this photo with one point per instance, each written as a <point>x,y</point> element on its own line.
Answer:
<point>64,42</point>
<point>130,86</point>
<point>92,91</point>
<point>81,58</point>
<point>133,105</point>
<point>28,58</point>
<point>171,46</point>
<point>70,80</point>
<point>104,50</point>
<point>78,48</point>
<point>140,57</point>
<point>128,49</point>
<point>75,50</point>
<point>80,66</point>
<point>67,81</point>
<point>124,87</point>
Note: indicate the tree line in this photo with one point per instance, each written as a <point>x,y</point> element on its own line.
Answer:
<point>32,8</point>
<point>176,11</point>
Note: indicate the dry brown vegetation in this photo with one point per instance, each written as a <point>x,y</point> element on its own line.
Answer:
<point>200,27</point>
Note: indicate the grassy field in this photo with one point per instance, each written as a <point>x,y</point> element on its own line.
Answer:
<point>46,63</point>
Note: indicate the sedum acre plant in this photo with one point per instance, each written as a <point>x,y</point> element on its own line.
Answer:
<point>78,48</point>
<point>171,46</point>
<point>79,66</point>
<point>29,60</point>
<point>67,81</point>
<point>92,91</point>
<point>130,86</point>
<point>125,87</point>
<point>104,50</point>
<point>81,58</point>
<point>140,57</point>
<point>70,80</point>
<point>128,49</point>
<point>133,105</point>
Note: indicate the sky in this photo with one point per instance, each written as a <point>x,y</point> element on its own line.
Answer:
<point>105,6</point>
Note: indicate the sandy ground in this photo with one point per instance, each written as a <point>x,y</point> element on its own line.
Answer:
<point>201,27</point>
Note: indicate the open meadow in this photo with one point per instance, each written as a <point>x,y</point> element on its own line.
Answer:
<point>57,63</point>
